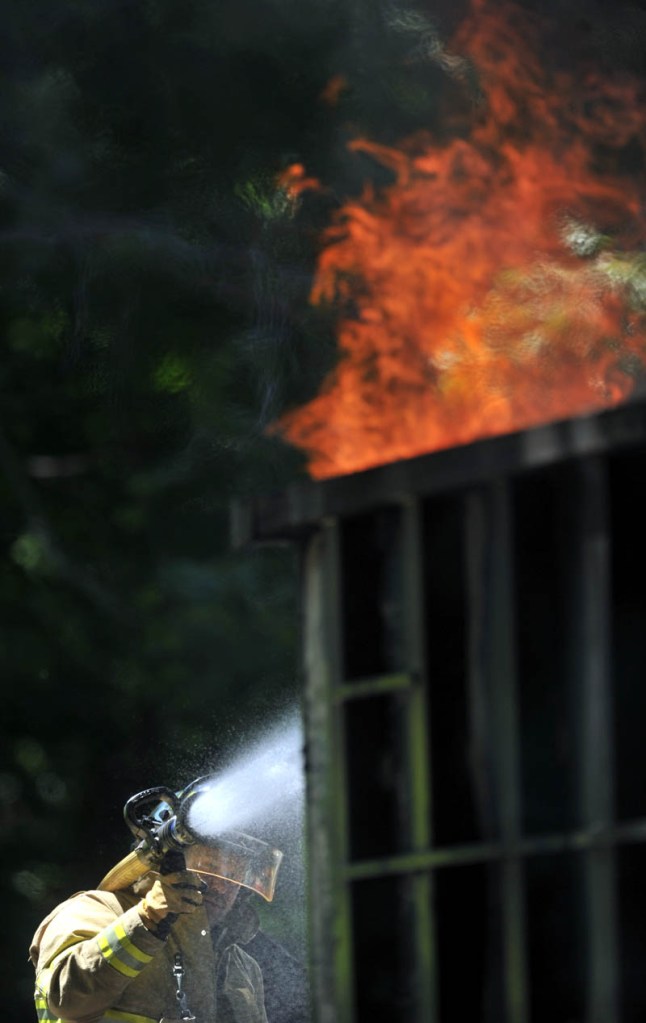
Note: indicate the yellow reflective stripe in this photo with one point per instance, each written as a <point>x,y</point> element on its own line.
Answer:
<point>43,1010</point>
<point>43,978</point>
<point>128,945</point>
<point>64,948</point>
<point>116,947</point>
<point>45,1015</point>
<point>136,953</point>
<point>111,956</point>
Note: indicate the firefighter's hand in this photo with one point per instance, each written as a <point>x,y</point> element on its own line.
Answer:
<point>176,893</point>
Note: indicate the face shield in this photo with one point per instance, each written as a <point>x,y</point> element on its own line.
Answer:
<point>238,858</point>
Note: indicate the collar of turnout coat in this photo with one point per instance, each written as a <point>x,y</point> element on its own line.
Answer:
<point>240,925</point>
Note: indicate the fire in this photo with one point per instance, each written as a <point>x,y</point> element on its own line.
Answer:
<point>294,180</point>
<point>499,281</point>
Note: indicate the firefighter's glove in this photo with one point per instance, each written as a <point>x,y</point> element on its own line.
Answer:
<point>171,895</point>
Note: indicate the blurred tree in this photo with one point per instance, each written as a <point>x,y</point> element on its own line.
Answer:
<point>150,282</point>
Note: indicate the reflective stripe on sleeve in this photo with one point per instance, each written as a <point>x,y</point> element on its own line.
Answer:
<point>42,982</point>
<point>43,1012</point>
<point>120,952</point>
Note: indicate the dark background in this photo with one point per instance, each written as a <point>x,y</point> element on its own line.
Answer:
<point>154,322</point>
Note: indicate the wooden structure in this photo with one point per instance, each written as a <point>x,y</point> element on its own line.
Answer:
<point>474,658</point>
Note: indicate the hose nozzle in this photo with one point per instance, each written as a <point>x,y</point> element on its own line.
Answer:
<point>159,820</point>
<point>156,818</point>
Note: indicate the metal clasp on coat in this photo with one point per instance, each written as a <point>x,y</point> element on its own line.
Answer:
<point>185,1014</point>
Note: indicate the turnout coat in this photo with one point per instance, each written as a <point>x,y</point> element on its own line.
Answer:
<point>95,961</point>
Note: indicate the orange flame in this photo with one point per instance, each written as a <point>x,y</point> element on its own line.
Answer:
<point>498,282</point>
<point>294,181</point>
<point>334,89</point>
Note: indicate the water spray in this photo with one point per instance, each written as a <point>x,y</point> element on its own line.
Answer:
<point>264,784</point>
<point>210,812</point>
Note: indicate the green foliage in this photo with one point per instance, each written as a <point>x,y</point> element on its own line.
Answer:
<point>153,308</point>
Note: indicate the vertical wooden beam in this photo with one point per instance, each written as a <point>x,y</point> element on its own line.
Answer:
<point>596,756</point>
<point>419,761</point>
<point>331,965</point>
<point>493,685</point>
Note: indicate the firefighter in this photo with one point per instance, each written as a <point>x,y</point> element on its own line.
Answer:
<point>169,946</point>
